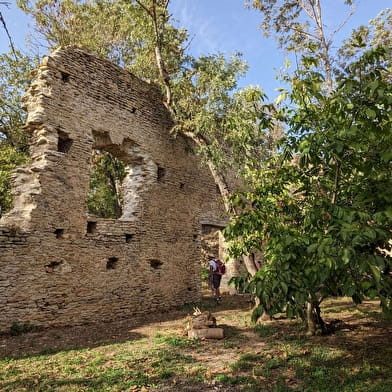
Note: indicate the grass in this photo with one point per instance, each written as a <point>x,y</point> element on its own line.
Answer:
<point>276,357</point>
<point>265,330</point>
<point>112,368</point>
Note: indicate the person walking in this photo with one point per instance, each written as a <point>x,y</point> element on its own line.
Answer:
<point>217,269</point>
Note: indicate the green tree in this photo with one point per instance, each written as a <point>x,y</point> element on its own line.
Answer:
<point>120,30</point>
<point>322,210</point>
<point>210,121</point>
<point>15,76</point>
<point>378,32</point>
<point>10,158</point>
<point>104,198</point>
<point>299,28</point>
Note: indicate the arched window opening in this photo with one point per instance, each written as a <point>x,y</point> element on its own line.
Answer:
<point>105,196</point>
<point>120,174</point>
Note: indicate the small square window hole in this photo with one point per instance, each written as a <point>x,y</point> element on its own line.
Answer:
<point>59,233</point>
<point>111,263</point>
<point>128,238</point>
<point>91,227</point>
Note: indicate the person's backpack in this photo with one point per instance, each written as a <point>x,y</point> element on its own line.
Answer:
<point>220,267</point>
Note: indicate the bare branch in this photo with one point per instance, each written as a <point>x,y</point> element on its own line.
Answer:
<point>351,13</point>
<point>306,10</point>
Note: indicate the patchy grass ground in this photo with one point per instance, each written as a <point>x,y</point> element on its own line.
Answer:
<point>154,354</point>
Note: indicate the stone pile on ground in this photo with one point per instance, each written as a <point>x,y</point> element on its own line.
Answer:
<point>203,325</point>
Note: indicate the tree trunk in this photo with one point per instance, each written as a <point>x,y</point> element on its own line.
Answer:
<point>313,319</point>
<point>311,324</point>
<point>250,264</point>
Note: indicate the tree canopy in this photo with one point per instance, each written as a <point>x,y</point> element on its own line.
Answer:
<point>322,210</point>
<point>15,75</point>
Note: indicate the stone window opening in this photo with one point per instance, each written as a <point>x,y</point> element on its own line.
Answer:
<point>52,266</point>
<point>105,199</point>
<point>91,227</point>
<point>119,175</point>
<point>182,185</point>
<point>156,264</point>
<point>128,238</point>
<point>59,233</point>
<point>211,238</point>
<point>64,142</point>
<point>161,172</point>
<point>65,76</point>
<point>112,263</point>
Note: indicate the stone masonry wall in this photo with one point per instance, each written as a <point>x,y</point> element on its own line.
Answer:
<point>60,266</point>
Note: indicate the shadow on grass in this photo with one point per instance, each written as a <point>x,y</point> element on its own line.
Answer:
<point>345,365</point>
<point>356,358</point>
<point>118,378</point>
<point>53,340</point>
<point>228,302</point>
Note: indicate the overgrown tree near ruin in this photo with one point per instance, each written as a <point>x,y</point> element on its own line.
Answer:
<point>15,75</point>
<point>299,27</point>
<point>104,198</point>
<point>323,208</point>
<point>377,32</point>
<point>278,216</point>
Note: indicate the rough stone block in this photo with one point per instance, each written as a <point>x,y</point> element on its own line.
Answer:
<point>206,333</point>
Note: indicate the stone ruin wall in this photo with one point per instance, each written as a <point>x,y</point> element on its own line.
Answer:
<point>60,266</point>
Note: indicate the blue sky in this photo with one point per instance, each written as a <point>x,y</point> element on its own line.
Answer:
<point>224,26</point>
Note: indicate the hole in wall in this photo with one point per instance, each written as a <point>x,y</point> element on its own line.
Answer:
<point>156,264</point>
<point>217,190</point>
<point>182,185</point>
<point>161,172</point>
<point>133,110</point>
<point>112,263</point>
<point>119,174</point>
<point>64,142</point>
<point>105,198</point>
<point>210,242</point>
<point>91,227</point>
<point>59,233</point>
<point>65,77</point>
<point>52,266</point>
<point>128,238</point>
